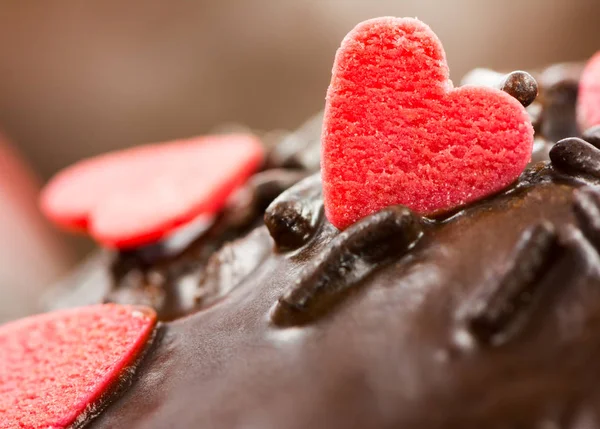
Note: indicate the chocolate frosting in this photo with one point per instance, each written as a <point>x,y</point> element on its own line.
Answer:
<point>486,319</point>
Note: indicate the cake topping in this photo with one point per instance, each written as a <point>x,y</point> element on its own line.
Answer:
<point>396,132</point>
<point>293,217</point>
<point>592,136</point>
<point>349,258</point>
<point>588,104</point>
<point>232,264</point>
<point>137,196</point>
<point>492,313</point>
<point>57,366</point>
<point>587,210</point>
<point>576,156</point>
<point>522,86</point>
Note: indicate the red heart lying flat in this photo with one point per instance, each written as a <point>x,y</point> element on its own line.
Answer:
<point>588,101</point>
<point>396,132</point>
<point>137,196</point>
<point>55,367</point>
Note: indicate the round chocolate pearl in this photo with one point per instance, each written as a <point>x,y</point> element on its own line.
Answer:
<point>522,86</point>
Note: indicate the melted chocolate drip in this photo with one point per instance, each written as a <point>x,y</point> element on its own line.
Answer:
<point>349,258</point>
<point>576,156</point>
<point>292,219</point>
<point>498,306</point>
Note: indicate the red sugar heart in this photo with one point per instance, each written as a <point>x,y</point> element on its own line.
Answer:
<point>54,367</point>
<point>396,132</point>
<point>588,102</point>
<point>137,196</point>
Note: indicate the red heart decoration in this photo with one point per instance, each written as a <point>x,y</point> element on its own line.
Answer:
<point>137,196</point>
<point>396,132</point>
<point>55,367</point>
<point>588,101</point>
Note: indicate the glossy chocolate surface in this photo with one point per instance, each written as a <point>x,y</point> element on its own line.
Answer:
<point>487,319</point>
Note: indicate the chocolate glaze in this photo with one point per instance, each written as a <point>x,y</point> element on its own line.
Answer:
<point>484,319</point>
<point>406,349</point>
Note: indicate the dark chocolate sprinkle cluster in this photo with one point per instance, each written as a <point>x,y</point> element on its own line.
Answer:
<point>348,258</point>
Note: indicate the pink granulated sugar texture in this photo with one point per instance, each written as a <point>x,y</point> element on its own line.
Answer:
<point>588,101</point>
<point>396,132</point>
<point>54,366</point>
<point>137,196</point>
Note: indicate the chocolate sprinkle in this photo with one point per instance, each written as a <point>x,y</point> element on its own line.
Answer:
<point>293,217</point>
<point>522,86</point>
<point>592,136</point>
<point>587,211</point>
<point>349,258</point>
<point>576,156</point>
<point>495,309</point>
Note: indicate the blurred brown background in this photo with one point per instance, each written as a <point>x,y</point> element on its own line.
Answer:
<point>82,77</point>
